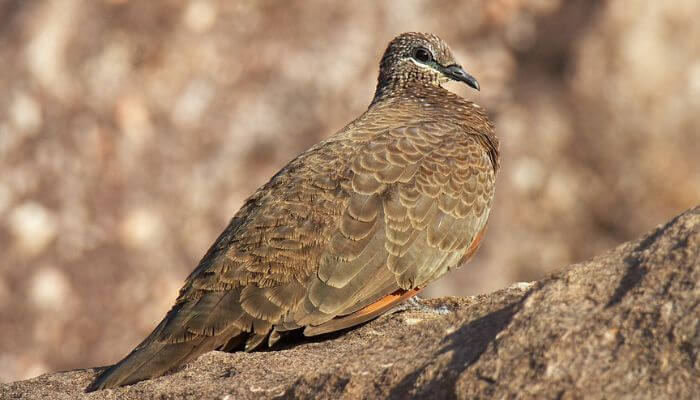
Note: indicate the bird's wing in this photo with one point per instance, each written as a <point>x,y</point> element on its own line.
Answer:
<point>419,197</point>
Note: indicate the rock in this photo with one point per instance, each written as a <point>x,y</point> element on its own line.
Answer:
<point>625,324</point>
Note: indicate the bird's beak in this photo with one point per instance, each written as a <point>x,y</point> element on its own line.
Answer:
<point>458,73</point>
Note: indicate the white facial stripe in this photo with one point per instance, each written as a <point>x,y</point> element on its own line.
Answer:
<point>421,65</point>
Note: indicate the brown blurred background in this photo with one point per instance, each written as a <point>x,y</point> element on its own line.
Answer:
<point>131,131</point>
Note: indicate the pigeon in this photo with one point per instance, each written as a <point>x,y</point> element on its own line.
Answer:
<point>348,229</point>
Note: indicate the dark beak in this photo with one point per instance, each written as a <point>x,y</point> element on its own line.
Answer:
<point>458,73</point>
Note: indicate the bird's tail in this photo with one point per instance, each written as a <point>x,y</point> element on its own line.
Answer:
<point>160,352</point>
<point>148,360</point>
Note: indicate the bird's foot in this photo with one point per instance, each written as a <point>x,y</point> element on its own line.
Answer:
<point>416,303</point>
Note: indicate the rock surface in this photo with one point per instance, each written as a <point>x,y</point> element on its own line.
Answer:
<point>625,324</point>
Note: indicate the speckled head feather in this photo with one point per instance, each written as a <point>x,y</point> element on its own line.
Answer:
<point>414,58</point>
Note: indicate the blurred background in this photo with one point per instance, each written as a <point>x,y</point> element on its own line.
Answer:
<point>131,131</point>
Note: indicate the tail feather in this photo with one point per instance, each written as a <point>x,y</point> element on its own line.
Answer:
<point>158,354</point>
<point>150,361</point>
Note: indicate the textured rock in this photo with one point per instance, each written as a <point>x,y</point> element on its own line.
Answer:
<point>625,324</point>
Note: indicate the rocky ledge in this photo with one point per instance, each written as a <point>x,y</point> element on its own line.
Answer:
<point>622,325</point>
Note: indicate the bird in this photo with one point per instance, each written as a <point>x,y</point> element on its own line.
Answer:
<point>348,229</point>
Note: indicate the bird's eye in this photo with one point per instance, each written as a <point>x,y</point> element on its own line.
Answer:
<point>423,55</point>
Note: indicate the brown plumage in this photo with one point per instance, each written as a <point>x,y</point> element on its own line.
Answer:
<point>349,228</point>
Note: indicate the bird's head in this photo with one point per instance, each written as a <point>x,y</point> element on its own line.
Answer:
<point>414,58</point>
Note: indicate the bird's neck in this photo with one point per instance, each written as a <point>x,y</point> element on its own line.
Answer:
<point>404,85</point>
<point>421,97</point>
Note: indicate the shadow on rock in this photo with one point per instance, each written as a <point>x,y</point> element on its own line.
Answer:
<point>466,344</point>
